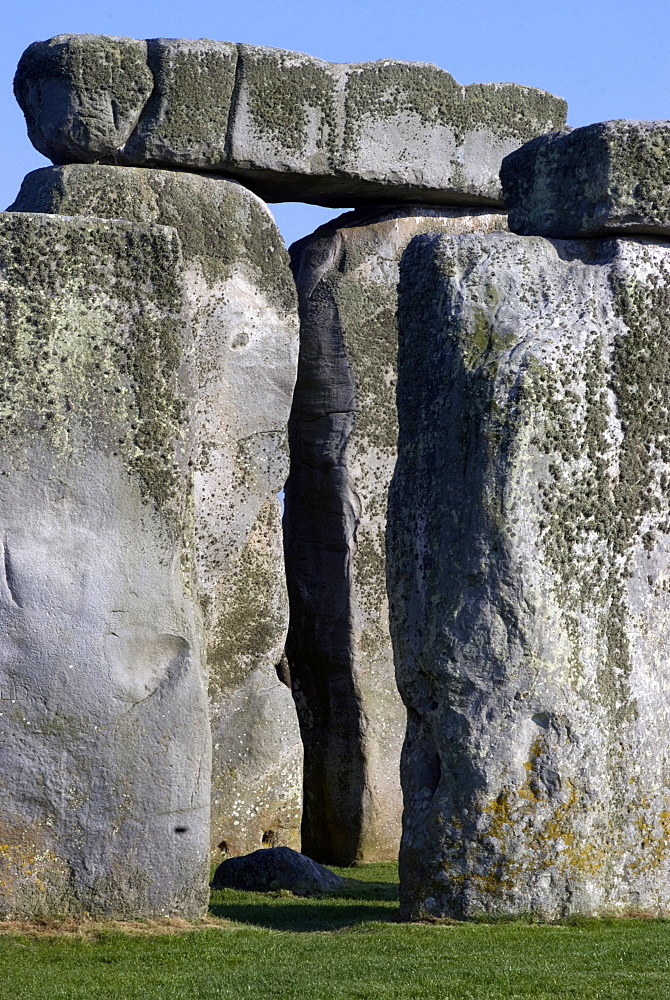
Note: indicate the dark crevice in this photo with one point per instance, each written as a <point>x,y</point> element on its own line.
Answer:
<point>320,503</point>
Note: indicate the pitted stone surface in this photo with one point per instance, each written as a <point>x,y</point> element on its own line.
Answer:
<point>82,94</point>
<point>613,177</point>
<point>292,127</point>
<point>343,446</point>
<point>276,868</point>
<point>185,122</point>
<point>528,556</point>
<point>104,732</point>
<point>242,308</point>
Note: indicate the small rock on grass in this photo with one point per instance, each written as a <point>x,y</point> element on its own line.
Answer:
<point>273,868</point>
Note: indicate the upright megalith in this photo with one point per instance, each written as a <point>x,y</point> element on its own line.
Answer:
<point>240,304</point>
<point>105,743</point>
<point>292,127</point>
<point>528,562</point>
<point>343,434</point>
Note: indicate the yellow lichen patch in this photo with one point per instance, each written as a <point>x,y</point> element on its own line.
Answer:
<point>653,844</point>
<point>534,833</point>
<point>21,862</point>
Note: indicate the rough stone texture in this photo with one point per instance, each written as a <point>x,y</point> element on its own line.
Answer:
<point>410,129</point>
<point>343,434</point>
<point>292,127</point>
<point>613,177</point>
<point>529,566</point>
<point>185,122</point>
<point>104,732</point>
<point>276,868</point>
<point>286,123</point>
<point>242,306</point>
<point>82,95</point>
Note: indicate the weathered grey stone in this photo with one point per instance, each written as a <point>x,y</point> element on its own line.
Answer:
<point>286,124</point>
<point>242,306</point>
<point>613,177</point>
<point>82,94</point>
<point>412,131</point>
<point>343,434</point>
<point>185,122</point>
<point>276,868</point>
<point>295,128</point>
<point>258,755</point>
<point>104,732</point>
<point>528,549</point>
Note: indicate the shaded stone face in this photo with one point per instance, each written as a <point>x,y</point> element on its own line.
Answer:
<point>185,122</point>
<point>241,308</point>
<point>343,435</point>
<point>104,732</point>
<point>292,127</point>
<point>612,177</point>
<point>276,868</point>
<point>82,94</point>
<point>528,553</point>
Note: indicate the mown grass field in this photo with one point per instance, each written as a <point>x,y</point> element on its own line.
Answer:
<point>345,946</point>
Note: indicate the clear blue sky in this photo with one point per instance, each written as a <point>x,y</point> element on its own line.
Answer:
<point>608,58</point>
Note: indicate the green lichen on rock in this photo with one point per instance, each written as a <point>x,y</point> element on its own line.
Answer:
<point>289,126</point>
<point>241,320</point>
<point>528,559</point>
<point>106,366</point>
<point>344,433</point>
<point>188,112</point>
<point>382,90</point>
<point>611,177</point>
<point>95,398</point>
<point>252,620</point>
<point>594,520</point>
<point>641,383</point>
<point>222,227</point>
<point>284,92</point>
<point>82,94</point>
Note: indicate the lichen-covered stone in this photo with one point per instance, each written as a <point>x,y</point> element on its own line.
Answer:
<point>528,551</point>
<point>257,750</point>
<point>295,128</point>
<point>185,122</point>
<point>242,309</point>
<point>411,128</point>
<point>286,123</point>
<point>104,731</point>
<point>613,177</point>
<point>343,434</point>
<point>82,94</point>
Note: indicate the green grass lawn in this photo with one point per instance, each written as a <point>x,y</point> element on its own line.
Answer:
<point>345,946</point>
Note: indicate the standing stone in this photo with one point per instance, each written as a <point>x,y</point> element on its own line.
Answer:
<point>529,558</point>
<point>292,127</point>
<point>241,301</point>
<point>104,733</point>
<point>613,177</point>
<point>343,435</point>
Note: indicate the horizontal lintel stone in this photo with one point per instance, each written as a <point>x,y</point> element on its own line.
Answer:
<point>291,127</point>
<point>611,177</point>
